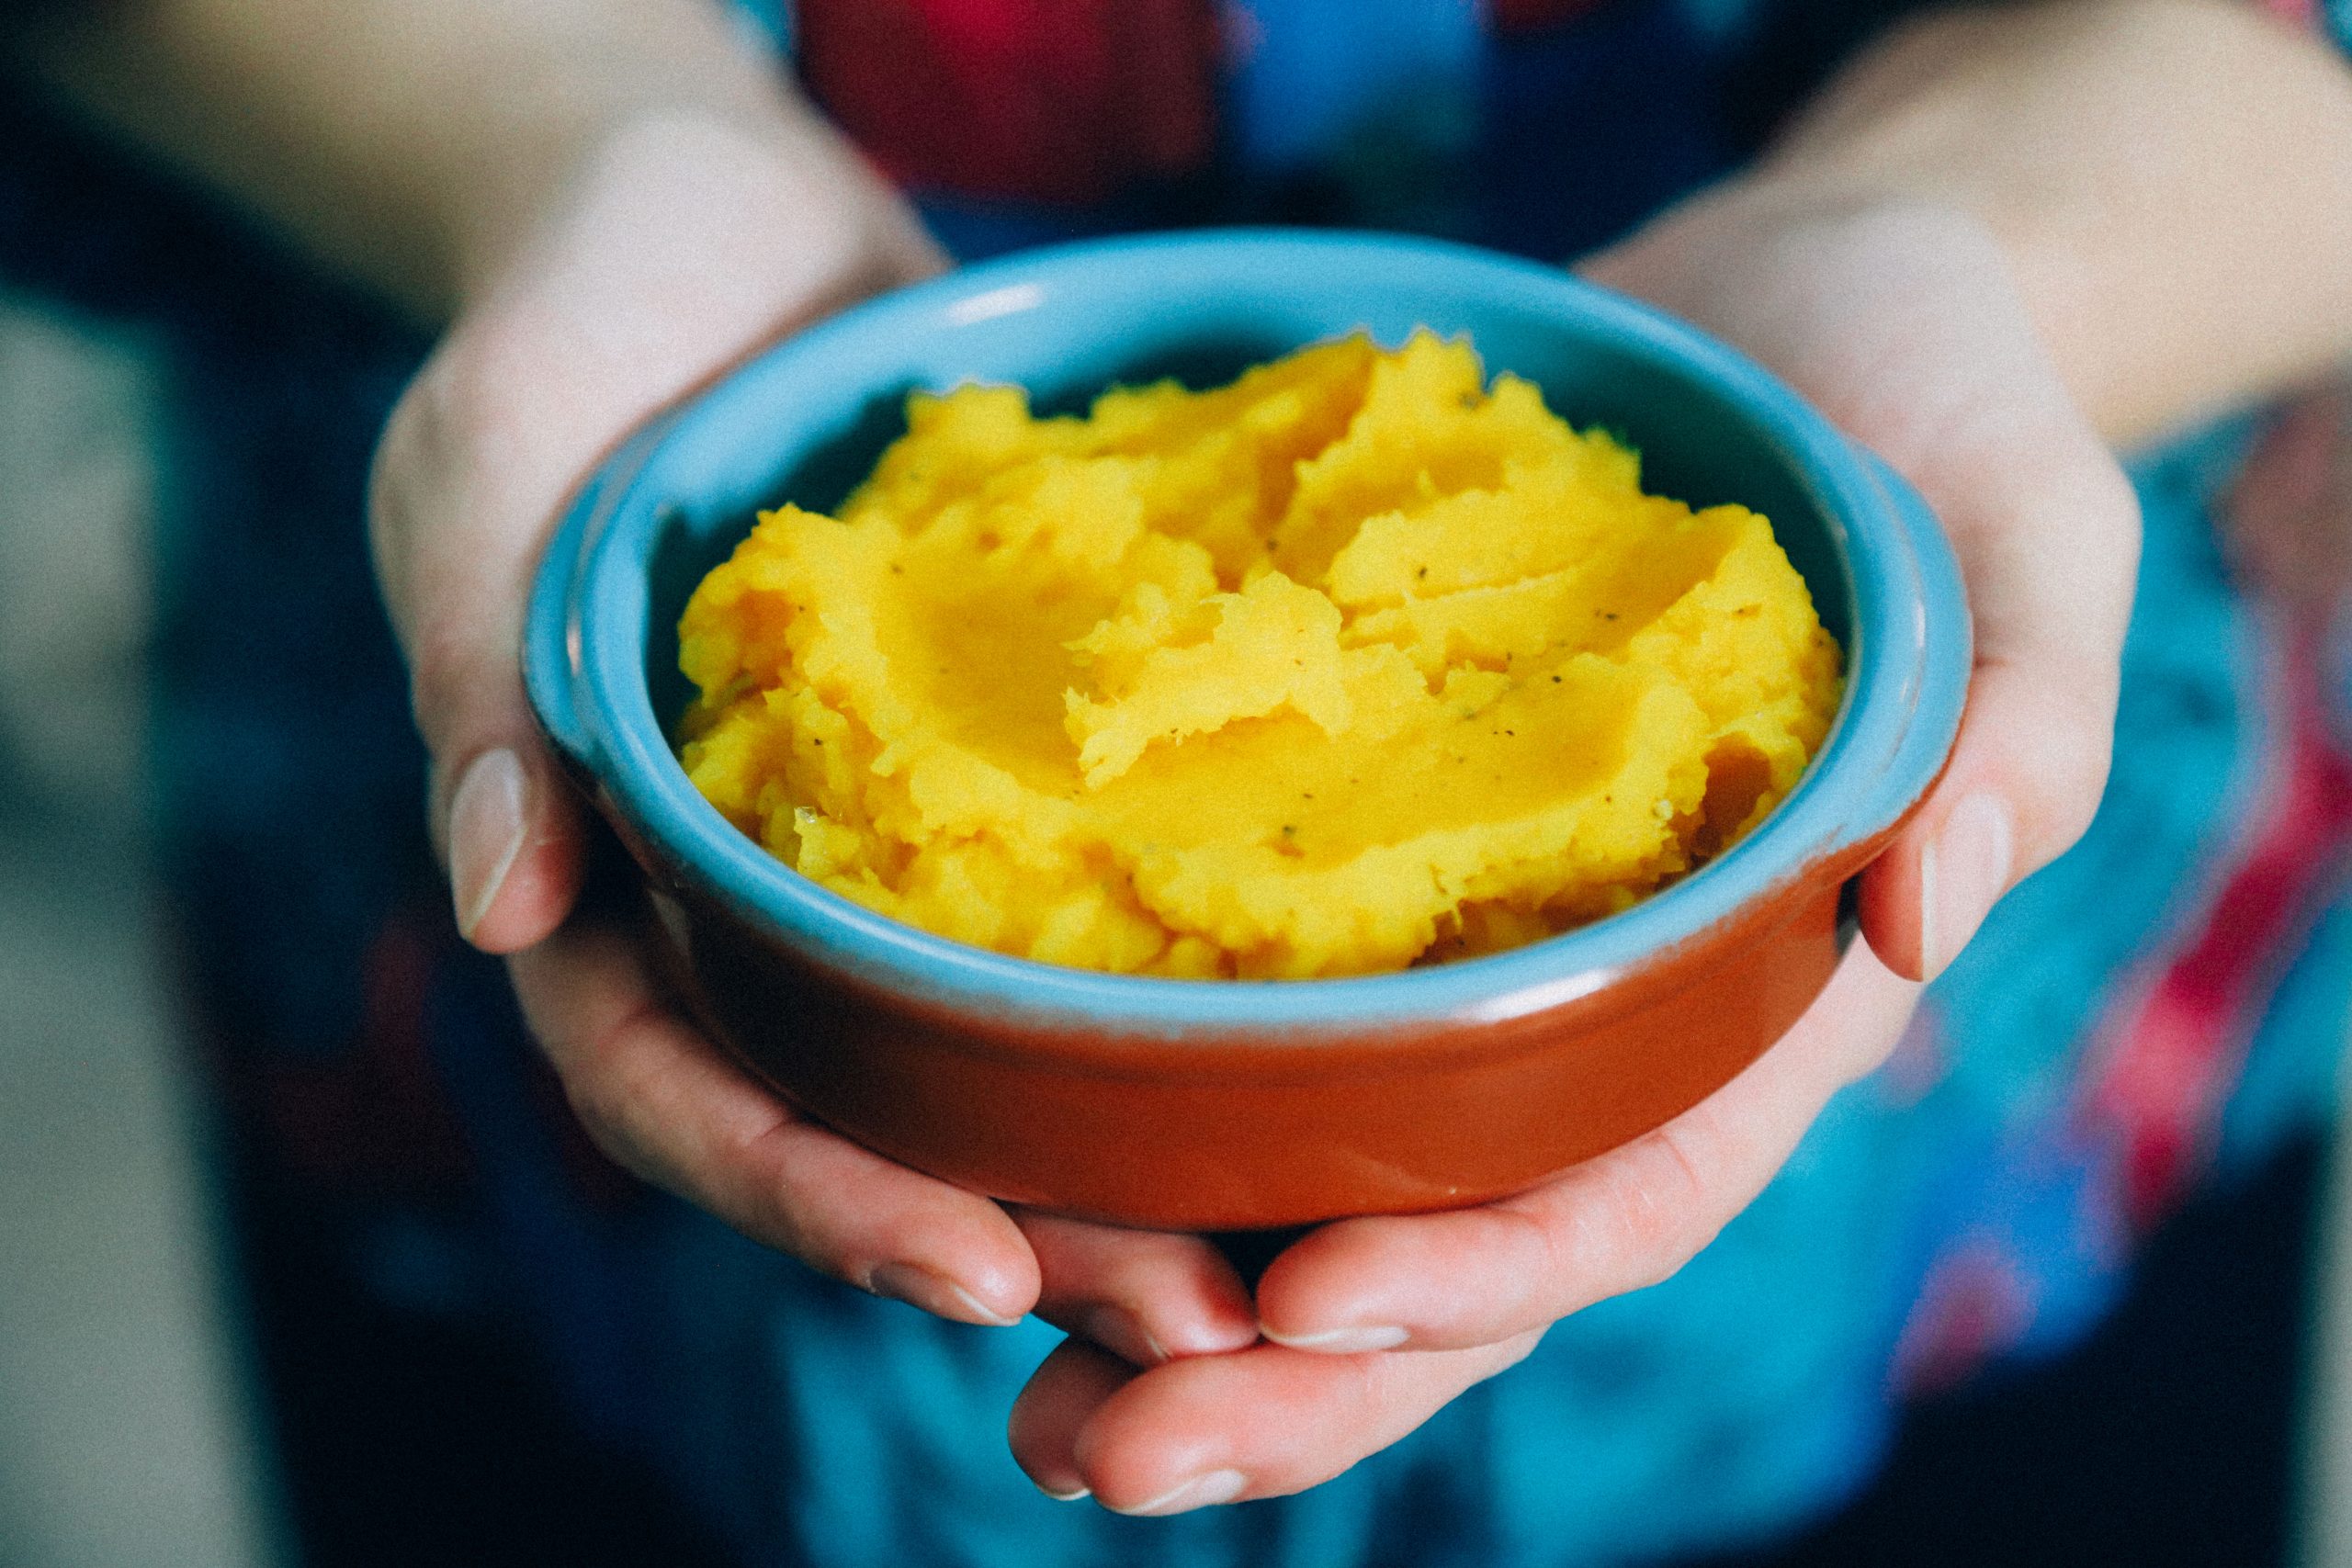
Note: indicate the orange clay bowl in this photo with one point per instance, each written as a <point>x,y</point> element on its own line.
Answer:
<point>1240,1104</point>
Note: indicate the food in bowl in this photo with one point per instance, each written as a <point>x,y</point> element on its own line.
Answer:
<point>1208,1106</point>
<point>1354,664</point>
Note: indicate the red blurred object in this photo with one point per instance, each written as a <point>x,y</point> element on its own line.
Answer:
<point>2172,1049</point>
<point>1511,17</point>
<point>1051,100</point>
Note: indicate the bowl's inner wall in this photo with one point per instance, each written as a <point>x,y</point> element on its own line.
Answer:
<point>785,429</point>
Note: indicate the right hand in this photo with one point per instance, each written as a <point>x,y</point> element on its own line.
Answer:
<point>683,242</point>
<point>1902,322</point>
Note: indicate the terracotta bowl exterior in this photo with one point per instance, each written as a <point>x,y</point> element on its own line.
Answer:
<point>1234,1105</point>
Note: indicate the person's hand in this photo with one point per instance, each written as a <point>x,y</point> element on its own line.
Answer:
<point>683,243</point>
<point>1901,322</point>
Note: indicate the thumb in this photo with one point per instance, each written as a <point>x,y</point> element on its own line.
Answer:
<point>2046,529</point>
<point>687,244</point>
<point>508,827</point>
<point>1902,321</point>
<point>511,828</point>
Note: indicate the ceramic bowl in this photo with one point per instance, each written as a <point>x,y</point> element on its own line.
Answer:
<point>1232,1104</point>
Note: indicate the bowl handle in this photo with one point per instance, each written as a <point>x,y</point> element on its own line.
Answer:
<point>551,643</point>
<point>1943,655</point>
<point>551,629</point>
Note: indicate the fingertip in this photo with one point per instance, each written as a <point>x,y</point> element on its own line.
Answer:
<point>1222,1318</point>
<point>1293,1302</point>
<point>1262,1423</point>
<point>1890,903</point>
<point>516,846</point>
<point>1072,1383</point>
<point>942,1294</point>
<point>1176,1329</point>
<point>540,889</point>
<point>1149,1438</point>
<point>1003,1278</point>
<point>1988,822</point>
<point>962,1260</point>
<point>1923,901</point>
<point>1333,1292</point>
<point>1357,1340</point>
<point>1148,1296</point>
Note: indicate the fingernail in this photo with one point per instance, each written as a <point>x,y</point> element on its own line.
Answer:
<point>935,1294</point>
<point>1123,1334</point>
<point>1071,1496</point>
<point>1342,1341</point>
<point>1200,1492</point>
<point>486,816</point>
<point>1963,871</point>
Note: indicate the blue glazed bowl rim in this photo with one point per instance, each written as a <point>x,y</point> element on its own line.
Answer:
<point>1907,659</point>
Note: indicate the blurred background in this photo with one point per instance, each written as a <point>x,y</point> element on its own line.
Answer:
<point>2206,1422</point>
<point>126,1436</point>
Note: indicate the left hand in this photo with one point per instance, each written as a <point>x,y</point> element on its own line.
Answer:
<point>680,241</point>
<point>1901,322</point>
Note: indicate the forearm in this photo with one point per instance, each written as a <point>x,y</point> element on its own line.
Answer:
<point>2166,182</point>
<point>2171,179</point>
<point>412,143</point>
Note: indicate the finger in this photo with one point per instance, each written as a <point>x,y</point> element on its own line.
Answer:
<point>455,564</point>
<point>1145,1295</point>
<point>663,1101</point>
<point>1615,1224</point>
<point>1072,1383</point>
<point>1259,1423</point>
<point>2030,763</point>
<point>1904,323</point>
<point>2046,529</point>
<point>615,313</point>
<point>514,834</point>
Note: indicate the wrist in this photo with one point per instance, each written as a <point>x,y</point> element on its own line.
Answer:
<point>685,214</point>
<point>706,162</point>
<point>2051,254</point>
<point>419,146</point>
<point>676,242</point>
<point>2165,180</point>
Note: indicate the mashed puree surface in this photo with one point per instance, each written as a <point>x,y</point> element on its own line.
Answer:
<point>1353,663</point>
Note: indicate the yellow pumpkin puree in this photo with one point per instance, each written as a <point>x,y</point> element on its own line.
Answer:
<point>1350,664</point>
